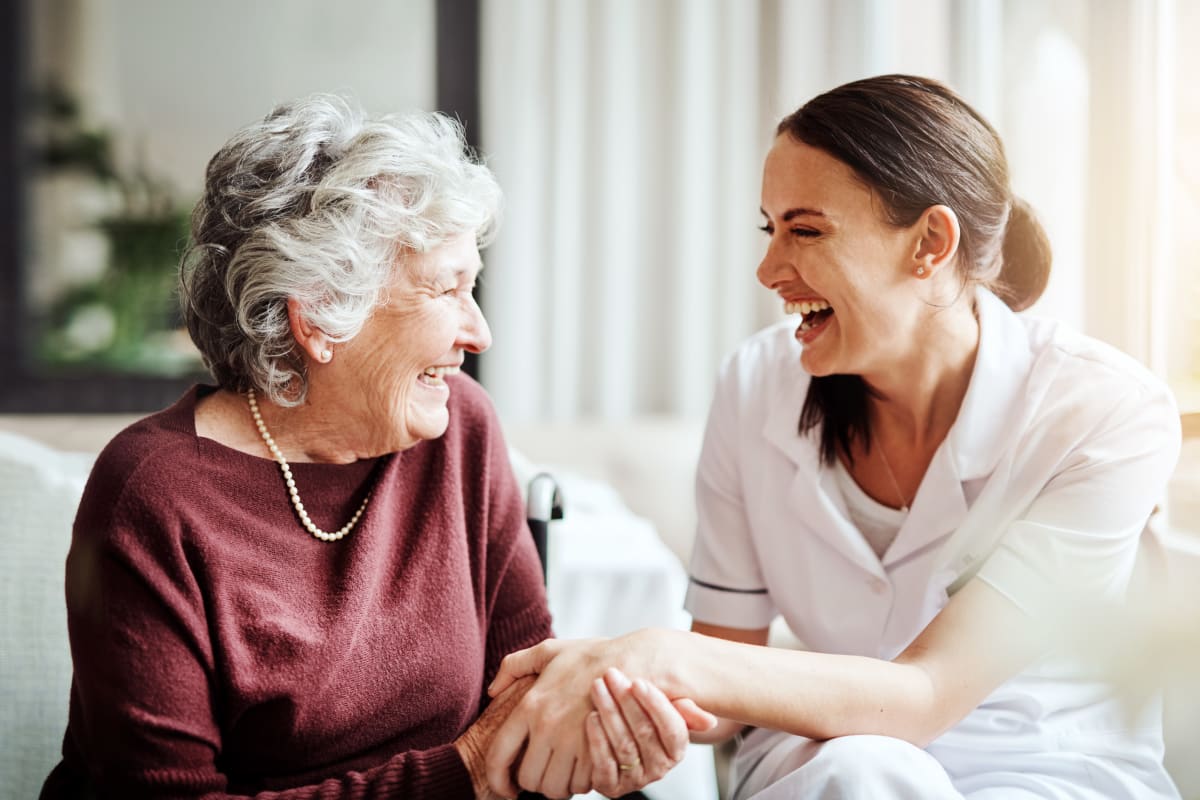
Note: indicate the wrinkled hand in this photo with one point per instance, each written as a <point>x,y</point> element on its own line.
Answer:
<point>532,660</point>
<point>549,723</point>
<point>475,741</point>
<point>546,732</point>
<point>636,735</point>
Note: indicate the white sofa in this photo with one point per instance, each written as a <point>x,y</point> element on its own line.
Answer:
<point>649,462</point>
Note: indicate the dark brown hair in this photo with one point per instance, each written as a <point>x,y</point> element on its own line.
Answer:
<point>918,144</point>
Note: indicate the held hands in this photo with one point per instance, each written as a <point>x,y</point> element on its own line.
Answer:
<point>633,736</point>
<point>636,735</point>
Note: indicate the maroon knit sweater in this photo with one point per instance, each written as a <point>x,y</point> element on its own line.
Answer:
<point>220,650</point>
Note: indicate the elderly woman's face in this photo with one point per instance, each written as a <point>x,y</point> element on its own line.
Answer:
<point>400,359</point>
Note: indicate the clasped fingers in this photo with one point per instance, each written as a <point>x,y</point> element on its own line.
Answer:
<point>635,735</point>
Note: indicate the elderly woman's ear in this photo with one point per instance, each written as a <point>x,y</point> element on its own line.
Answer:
<point>311,340</point>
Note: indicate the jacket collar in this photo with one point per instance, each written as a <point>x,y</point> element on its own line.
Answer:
<point>786,389</point>
<point>971,450</point>
<point>992,405</point>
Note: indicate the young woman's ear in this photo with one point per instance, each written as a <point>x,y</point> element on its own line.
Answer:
<point>311,339</point>
<point>938,235</point>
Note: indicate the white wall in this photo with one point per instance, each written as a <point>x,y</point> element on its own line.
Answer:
<point>173,80</point>
<point>177,78</point>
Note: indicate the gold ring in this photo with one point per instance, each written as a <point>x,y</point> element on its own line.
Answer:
<point>627,767</point>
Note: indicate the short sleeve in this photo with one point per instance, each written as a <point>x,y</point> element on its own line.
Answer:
<point>1079,538</point>
<point>725,585</point>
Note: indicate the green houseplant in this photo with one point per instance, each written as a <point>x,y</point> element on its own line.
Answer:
<point>125,319</point>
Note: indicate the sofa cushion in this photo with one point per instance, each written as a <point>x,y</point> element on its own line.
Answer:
<point>39,492</point>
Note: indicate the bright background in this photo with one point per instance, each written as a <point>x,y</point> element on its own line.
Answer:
<point>629,136</point>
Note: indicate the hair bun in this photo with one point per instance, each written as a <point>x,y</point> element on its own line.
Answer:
<point>1026,258</point>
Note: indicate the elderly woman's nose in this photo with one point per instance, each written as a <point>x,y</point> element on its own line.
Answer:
<point>475,335</point>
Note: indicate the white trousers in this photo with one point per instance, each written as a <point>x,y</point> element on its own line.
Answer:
<point>771,765</point>
<point>777,766</point>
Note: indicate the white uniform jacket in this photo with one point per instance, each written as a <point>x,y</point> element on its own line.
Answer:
<point>1041,488</point>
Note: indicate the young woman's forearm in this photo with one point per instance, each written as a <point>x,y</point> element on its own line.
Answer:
<point>974,644</point>
<point>817,695</point>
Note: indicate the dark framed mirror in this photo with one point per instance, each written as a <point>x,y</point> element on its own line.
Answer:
<point>110,112</point>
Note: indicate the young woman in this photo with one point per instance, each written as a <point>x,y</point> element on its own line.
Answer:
<point>923,483</point>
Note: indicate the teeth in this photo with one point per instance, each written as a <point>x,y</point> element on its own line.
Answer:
<point>438,373</point>
<point>804,306</point>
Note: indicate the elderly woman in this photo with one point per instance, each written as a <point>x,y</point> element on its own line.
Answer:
<point>300,581</point>
<point>919,480</point>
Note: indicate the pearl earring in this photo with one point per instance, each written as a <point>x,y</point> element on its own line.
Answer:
<point>920,272</point>
<point>326,354</point>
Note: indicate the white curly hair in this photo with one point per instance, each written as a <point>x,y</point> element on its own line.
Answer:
<point>319,202</point>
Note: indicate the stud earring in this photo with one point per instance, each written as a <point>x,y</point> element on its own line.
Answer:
<point>920,272</point>
<point>326,354</point>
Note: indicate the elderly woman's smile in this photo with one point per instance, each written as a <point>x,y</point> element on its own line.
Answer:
<point>415,340</point>
<point>435,376</point>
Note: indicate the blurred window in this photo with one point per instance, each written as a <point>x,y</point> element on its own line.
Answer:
<point>1183,350</point>
<point>124,104</point>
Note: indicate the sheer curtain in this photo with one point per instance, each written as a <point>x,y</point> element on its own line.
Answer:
<point>629,138</point>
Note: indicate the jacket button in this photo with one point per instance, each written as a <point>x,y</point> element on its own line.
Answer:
<point>879,585</point>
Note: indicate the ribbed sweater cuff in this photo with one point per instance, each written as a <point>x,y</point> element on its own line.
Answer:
<point>440,773</point>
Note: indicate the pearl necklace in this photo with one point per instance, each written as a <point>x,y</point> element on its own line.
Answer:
<point>291,483</point>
